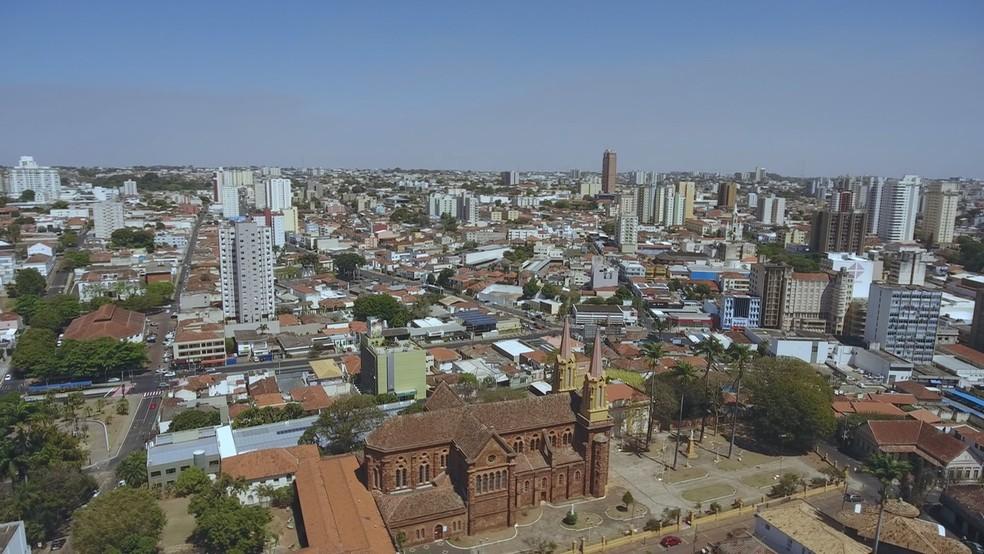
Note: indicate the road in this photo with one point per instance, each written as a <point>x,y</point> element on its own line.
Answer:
<point>59,277</point>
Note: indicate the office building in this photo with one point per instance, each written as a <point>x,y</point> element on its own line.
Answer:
<point>509,178</point>
<point>246,269</point>
<point>905,264</point>
<point>727,196</point>
<point>739,311</point>
<point>106,218</point>
<point>768,282</point>
<point>273,194</point>
<point>687,190</point>
<point>28,175</point>
<point>839,231</point>
<point>898,209</point>
<point>940,213</point>
<point>392,366</point>
<point>609,172</point>
<point>772,210</point>
<point>628,233</point>
<point>903,320</point>
<point>791,300</point>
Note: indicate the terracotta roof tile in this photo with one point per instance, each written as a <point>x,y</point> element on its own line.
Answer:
<point>109,321</point>
<point>272,462</point>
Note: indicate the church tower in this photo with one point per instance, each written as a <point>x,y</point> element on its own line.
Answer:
<point>565,368</point>
<point>594,404</point>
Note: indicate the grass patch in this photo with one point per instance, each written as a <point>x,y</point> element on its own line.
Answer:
<point>708,492</point>
<point>180,524</point>
<point>685,474</point>
<point>748,459</point>
<point>630,378</point>
<point>759,480</point>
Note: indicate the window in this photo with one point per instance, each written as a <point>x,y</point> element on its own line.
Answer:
<point>498,480</point>
<point>560,479</point>
<point>401,477</point>
<point>375,477</point>
<point>155,473</point>
<point>184,467</point>
<point>170,471</point>
<point>424,472</point>
<point>526,485</point>
<point>518,444</point>
<point>577,475</point>
<point>444,459</point>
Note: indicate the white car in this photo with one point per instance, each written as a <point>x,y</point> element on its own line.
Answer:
<point>8,377</point>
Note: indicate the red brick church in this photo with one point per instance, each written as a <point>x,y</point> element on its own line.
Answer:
<point>460,468</point>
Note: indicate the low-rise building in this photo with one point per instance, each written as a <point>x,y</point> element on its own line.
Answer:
<point>273,468</point>
<point>915,439</point>
<point>797,527</point>
<point>108,321</point>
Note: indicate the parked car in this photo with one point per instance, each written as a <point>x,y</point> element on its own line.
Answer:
<point>170,374</point>
<point>670,540</point>
<point>853,497</point>
<point>8,377</point>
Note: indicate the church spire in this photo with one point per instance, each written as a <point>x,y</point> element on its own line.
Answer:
<point>594,400</point>
<point>597,371</point>
<point>565,368</point>
<point>565,340</point>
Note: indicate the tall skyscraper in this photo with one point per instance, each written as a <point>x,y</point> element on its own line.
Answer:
<point>246,270</point>
<point>275,194</point>
<point>609,172</point>
<point>687,190</point>
<point>727,196</point>
<point>509,178</point>
<point>875,187</point>
<point>838,231</point>
<point>903,320</point>
<point>106,218</point>
<point>941,212</point>
<point>768,282</point>
<point>28,175</point>
<point>898,210</point>
<point>231,201</point>
<point>646,204</point>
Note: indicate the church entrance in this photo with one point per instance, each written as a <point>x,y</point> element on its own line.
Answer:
<point>438,532</point>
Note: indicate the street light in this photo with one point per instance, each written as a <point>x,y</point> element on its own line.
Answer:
<point>782,448</point>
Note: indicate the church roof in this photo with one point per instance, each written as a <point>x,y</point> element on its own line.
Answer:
<point>442,398</point>
<point>454,424</point>
<point>431,501</point>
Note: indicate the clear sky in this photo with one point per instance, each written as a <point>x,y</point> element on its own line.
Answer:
<point>802,88</point>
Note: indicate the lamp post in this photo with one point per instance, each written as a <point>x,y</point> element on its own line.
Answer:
<point>782,448</point>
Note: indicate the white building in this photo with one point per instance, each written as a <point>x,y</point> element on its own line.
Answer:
<point>875,187</point>
<point>276,222</point>
<point>28,175</point>
<point>246,269</point>
<point>898,210</point>
<point>439,204</point>
<point>861,268</point>
<point>941,212</point>
<point>106,218</point>
<point>903,320</point>
<point>772,210</point>
<point>674,206</point>
<point>275,194</point>
<point>628,233</point>
<point>130,188</point>
<point>229,197</point>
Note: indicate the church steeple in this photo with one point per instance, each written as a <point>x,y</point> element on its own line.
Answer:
<point>565,368</point>
<point>594,402</point>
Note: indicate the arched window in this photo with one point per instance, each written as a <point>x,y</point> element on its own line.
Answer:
<point>526,485</point>
<point>518,444</point>
<point>498,480</point>
<point>567,437</point>
<point>543,483</point>
<point>577,475</point>
<point>375,477</point>
<point>401,477</point>
<point>485,483</point>
<point>424,473</point>
<point>553,439</point>
<point>444,459</point>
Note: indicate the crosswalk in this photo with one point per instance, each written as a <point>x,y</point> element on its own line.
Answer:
<point>154,393</point>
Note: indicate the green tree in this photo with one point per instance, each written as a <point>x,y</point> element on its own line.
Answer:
<point>225,525</point>
<point>787,485</point>
<point>131,237</point>
<point>194,419</point>
<point>382,306</point>
<point>47,499</point>
<point>29,282</point>
<point>133,468</point>
<point>191,481</point>
<point>26,196</point>
<point>46,318</point>
<point>550,290</point>
<point>35,353</point>
<point>68,239</point>
<point>790,400</point>
<point>346,264</point>
<point>253,416</point>
<point>531,288</point>
<point>713,351</point>
<point>888,470</point>
<point>341,427</point>
<point>444,278</point>
<point>653,353</point>
<point>741,355</point>
<point>116,521</point>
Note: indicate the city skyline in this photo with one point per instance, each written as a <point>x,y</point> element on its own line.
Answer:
<point>806,89</point>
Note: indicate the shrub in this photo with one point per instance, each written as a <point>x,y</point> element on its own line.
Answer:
<point>715,508</point>
<point>122,407</point>
<point>570,518</point>
<point>653,524</point>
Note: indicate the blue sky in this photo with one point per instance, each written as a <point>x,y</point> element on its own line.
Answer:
<point>803,88</point>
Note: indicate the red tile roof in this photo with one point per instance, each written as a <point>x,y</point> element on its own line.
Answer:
<point>910,435</point>
<point>271,462</point>
<point>108,321</point>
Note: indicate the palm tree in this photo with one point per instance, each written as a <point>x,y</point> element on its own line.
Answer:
<point>740,354</point>
<point>652,351</point>
<point>684,374</point>
<point>887,469</point>
<point>712,351</point>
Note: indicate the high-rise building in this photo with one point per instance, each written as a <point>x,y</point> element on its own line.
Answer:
<point>627,202</point>
<point>727,196</point>
<point>28,175</point>
<point>687,191</point>
<point>673,210</point>
<point>130,188</point>
<point>509,178</point>
<point>106,218</point>
<point>905,264</point>
<point>231,178</point>
<point>590,186</point>
<point>739,310</point>
<point>759,174</point>
<point>231,201</point>
<point>768,282</point>
<point>246,270</point>
<point>574,174</point>
<point>842,200</point>
<point>277,224</point>
<point>772,210</point>
<point>838,231</point>
<point>290,220</point>
<point>628,233</point>
<point>903,320</point>
<point>467,210</point>
<point>609,172</point>
<point>646,204</point>
<point>941,212</point>
<point>439,204</point>
<point>875,187</point>
<point>274,194</point>
<point>898,210</point>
